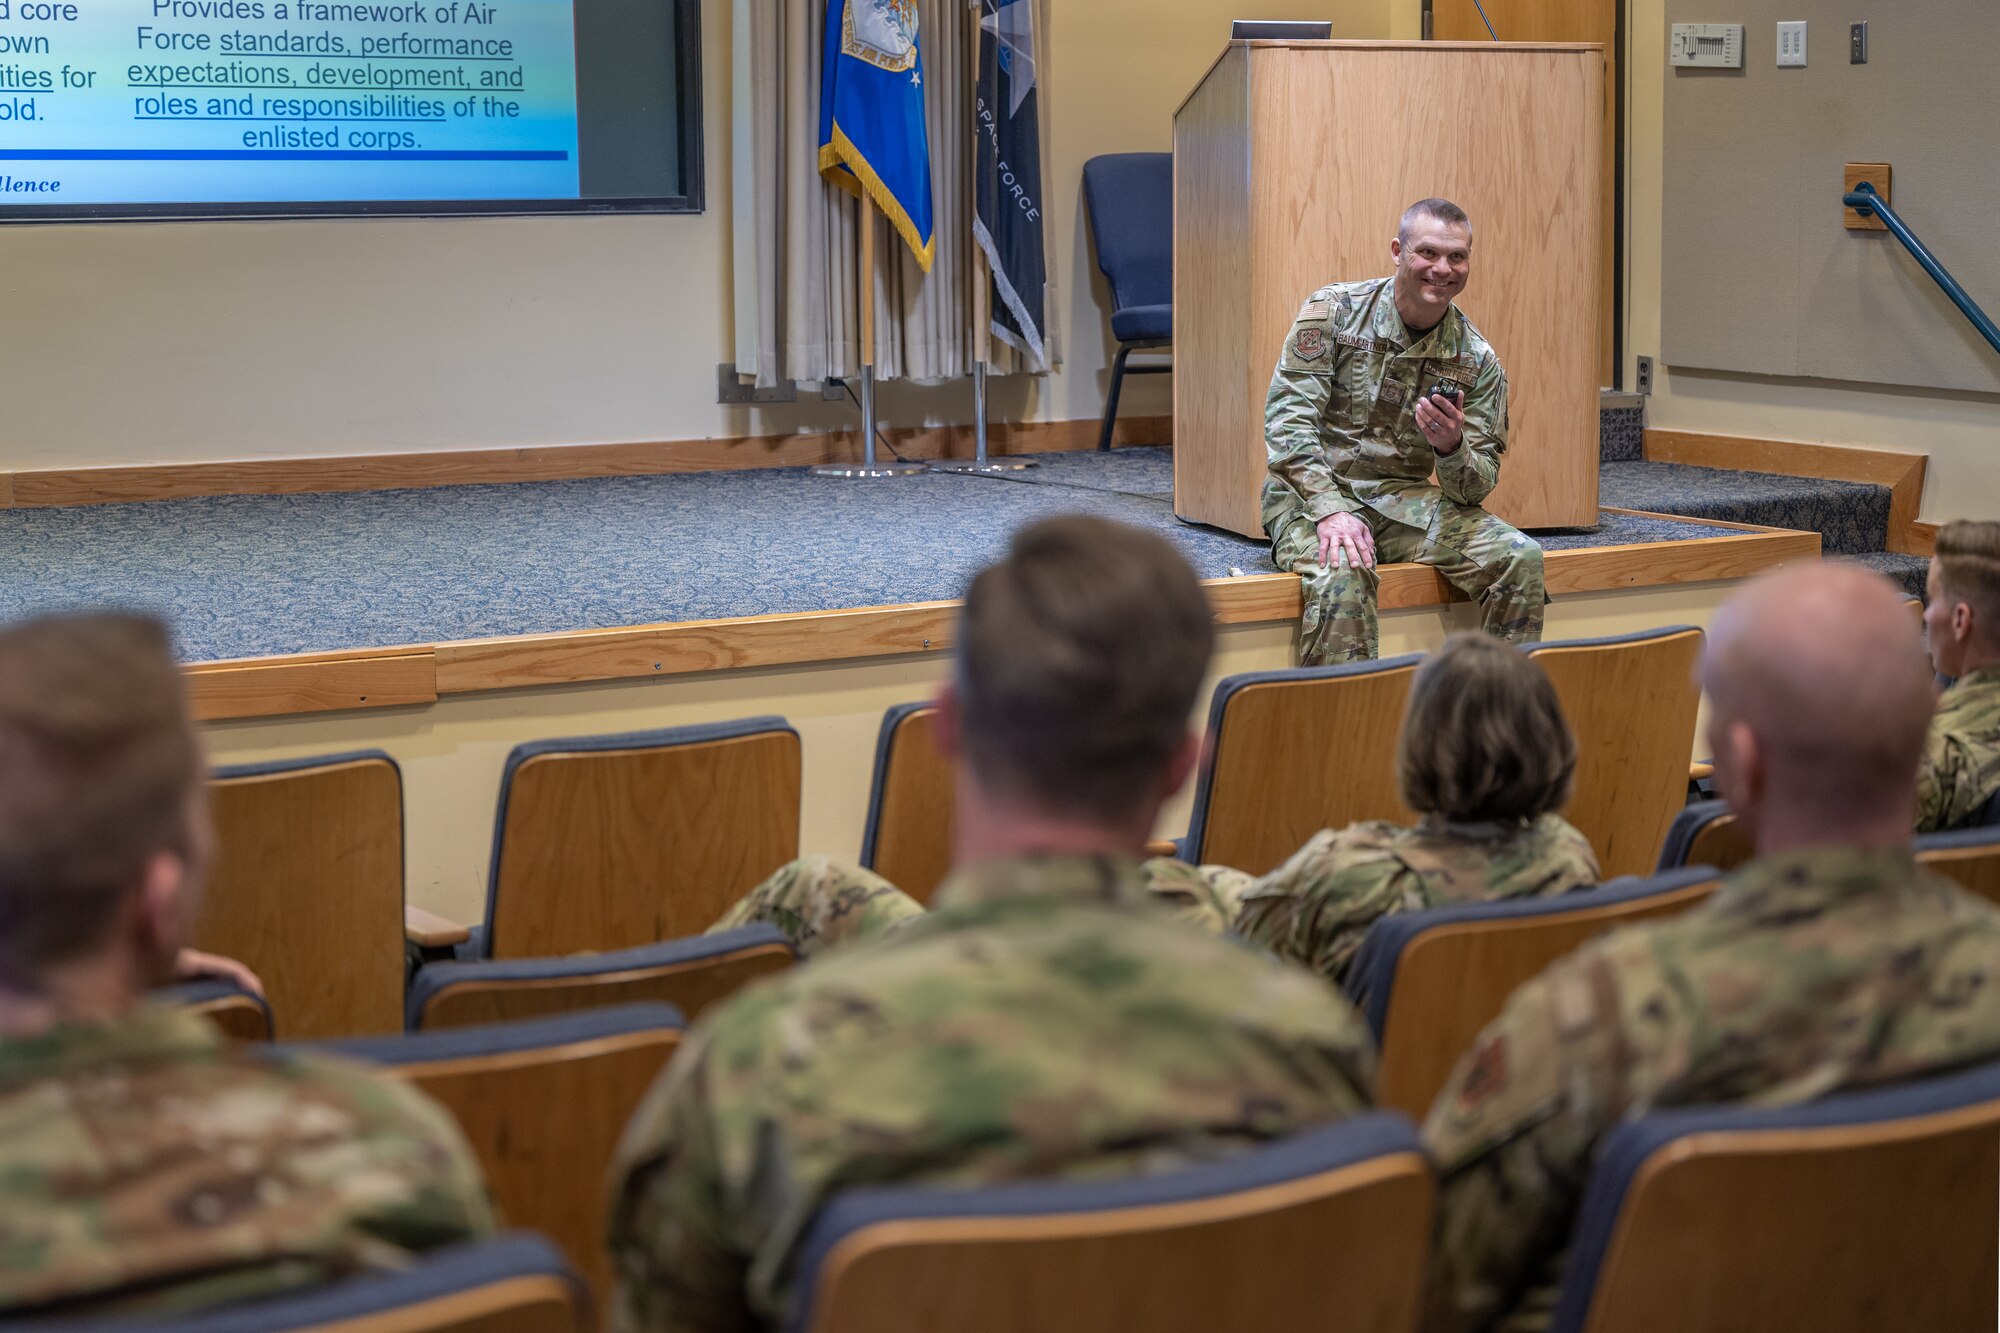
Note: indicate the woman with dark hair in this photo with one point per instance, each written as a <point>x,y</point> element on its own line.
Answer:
<point>1486,758</point>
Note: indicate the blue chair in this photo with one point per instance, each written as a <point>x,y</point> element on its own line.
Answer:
<point>1429,982</point>
<point>1261,1240</point>
<point>689,974</point>
<point>518,1282</point>
<point>542,1102</point>
<point>242,1014</point>
<point>907,838</point>
<point>1705,833</point>
<point>614,842</point>
<point>1863,1211</point>
<point>1130,199</point>
<point>1295,751</point>
<point>307,888</point>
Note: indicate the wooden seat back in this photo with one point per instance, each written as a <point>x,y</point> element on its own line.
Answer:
<point>1290,753</point>
<point>543,1104</point>
<point>1706,833</point>
<point>1451,979</point>
<point>1269,1257</point>
<point>1841,1216</point>
<point>907,839</point>
<point>690,975</point>
<point>1631,701</point>
<point>1969,856</point>
<point>307,889</point>
<point>611,842</point>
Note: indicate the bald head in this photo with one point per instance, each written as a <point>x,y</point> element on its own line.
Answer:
<point>1819,697</point>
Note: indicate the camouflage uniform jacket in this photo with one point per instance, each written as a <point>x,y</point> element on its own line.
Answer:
<point>1805,974</point>
<point>1339,427</point>
<point>1046,1019</point>
<point>1316,907</point>
<point>1960,771</point>
<point>147,1167</point>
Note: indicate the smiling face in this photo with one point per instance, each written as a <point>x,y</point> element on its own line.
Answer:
<point>1433,262</point>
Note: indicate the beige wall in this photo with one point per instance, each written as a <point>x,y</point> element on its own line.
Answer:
<point>169,342</point>
<point>1960,431</point>
<point>451,752</point>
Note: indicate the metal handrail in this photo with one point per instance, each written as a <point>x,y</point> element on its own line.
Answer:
<point>1864,200</point>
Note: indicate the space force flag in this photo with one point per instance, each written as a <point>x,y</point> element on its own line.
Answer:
<point>1007,220</point>
<point>871,114</point>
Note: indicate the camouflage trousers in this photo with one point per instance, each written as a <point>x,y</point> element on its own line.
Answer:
<point>1488,560</point>
<point>820,903</point>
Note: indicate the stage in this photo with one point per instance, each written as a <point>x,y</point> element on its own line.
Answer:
<point>305,603</point>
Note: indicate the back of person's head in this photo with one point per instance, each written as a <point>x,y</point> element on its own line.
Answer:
<point>1079,657</point>
<point>1485,737</point>
<point>100,778</point>
<point>1819,698</point>
<point>1964,611</point>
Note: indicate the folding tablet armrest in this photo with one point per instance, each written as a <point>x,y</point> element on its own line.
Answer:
<point>1163,847</point>
<point>428,930</point>
<point>1700,770</point>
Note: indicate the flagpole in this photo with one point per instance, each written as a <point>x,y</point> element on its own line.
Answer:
<point>982,317</point>
<point>869,466</point>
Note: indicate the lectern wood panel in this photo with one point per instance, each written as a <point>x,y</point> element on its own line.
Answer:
<point>1341,137</point>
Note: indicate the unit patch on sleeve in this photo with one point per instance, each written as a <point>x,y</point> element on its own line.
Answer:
<point>1309,344</point>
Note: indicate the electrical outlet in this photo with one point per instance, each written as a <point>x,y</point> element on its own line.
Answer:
<point>1642,382</point>
<point>1791,44</point>
<point>1857,43</point>
<point>732,388</point>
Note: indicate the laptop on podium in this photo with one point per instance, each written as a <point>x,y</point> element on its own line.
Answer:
<point>1279,30</point>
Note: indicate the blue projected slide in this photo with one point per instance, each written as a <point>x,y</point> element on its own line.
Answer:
<point>111,102</point>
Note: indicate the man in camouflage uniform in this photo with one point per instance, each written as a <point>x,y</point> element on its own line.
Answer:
<point>1832,961</point>
<point>145,1167</point>
<point>1047,1019</point>
<point>1959,779</point>
<point>1354,428</point>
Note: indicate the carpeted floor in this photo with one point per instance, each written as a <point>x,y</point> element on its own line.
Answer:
<point>250,576</point>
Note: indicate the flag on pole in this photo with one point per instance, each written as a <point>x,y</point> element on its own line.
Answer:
<point>871,114</point>
<point>1007,219</point>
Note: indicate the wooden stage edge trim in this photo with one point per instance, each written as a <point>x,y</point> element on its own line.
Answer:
<point>553,462</point>
<point>423,673</point>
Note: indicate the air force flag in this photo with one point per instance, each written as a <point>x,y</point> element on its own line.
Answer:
<point>1007,220</point>
<point>871,114</point>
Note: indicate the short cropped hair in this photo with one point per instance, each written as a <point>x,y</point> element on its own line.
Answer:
<point>99,768</point>
<point>1968,557</point>
<point>1484,737</point>
<point>1444,210</point>
<point>1080,654</point>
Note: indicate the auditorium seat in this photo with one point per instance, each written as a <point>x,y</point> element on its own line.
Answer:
<point>1705,833</point>
<point>907,839</point>
<point>1326,1229</point>
<point>1429,982</point>
<point>513,1283</point>
<point>612,842</point>
<point>1130,200</point>
<point>1291,752</point>
<point>1631,701</point>
<point>307,888</point>
<point>689,974</point>
<point>1861,1212</point>
<point>241,1014</point>
<point>1970,856</point>
<point>543,1103</point>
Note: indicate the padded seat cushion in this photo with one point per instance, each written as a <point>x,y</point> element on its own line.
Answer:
<point>1140,323</point>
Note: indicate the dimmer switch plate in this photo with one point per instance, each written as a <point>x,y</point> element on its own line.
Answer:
<point>1706,45</point>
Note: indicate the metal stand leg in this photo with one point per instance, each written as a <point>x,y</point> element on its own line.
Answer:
<point>869,467</point>
<point>980,462</point>
<point>1111,398</point>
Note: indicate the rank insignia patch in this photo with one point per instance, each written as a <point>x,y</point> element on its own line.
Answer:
<point>1309,344</point>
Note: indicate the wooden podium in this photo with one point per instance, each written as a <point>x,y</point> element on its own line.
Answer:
<point>1293,162</point>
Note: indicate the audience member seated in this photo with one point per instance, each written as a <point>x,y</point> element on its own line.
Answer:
<point>1960,773</point>
<point>1485,754</point>
<point>1047,1019</point>
<point>147,1167</point>
<point>1831,961</point>
<point>1486,757</point>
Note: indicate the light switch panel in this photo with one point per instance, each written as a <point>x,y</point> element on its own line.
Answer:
<point>1706,45</point>
<point>1791,44</point>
